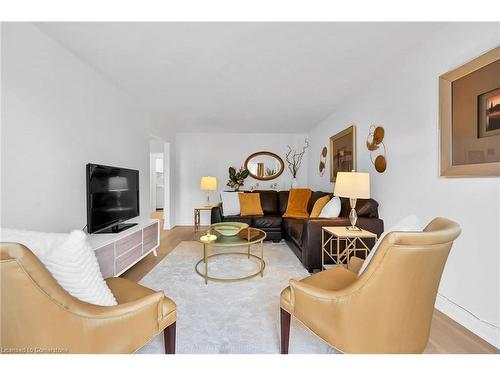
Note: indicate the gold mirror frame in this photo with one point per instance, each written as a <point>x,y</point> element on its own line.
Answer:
<point>266,153</point>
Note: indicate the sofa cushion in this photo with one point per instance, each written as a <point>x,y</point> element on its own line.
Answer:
<point>297,203</point>
<point>331,209</point>
<point>283,201</point>
<point>318,206</point>
<point>314,197</point>
<point>230,203</point>
<point>269,202</point>
<point>368,208</point>
<point>267,221</point>
<point>250,204</point>
<point>239,219</point>
<point>294,228</point>
<point>364,207</point>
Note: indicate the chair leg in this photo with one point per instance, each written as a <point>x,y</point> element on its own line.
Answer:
<point>169,336</point>
<point>285,330</point>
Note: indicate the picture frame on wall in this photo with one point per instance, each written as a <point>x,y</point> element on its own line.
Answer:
<point>489,113</point>
<point>469,118</point>
<point>343,152</point>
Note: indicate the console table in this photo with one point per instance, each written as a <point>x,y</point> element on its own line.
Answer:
<point>197,211</point>
<point>117,252</point>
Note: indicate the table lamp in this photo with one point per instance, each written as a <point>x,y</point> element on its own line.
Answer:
<point>208,183</point>
<point>352,185</point>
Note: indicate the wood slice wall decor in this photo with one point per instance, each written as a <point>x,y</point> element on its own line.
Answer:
<point>322,161</point>
<point>376,146</point>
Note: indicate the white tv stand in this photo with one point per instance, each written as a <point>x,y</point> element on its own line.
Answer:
<point>117,252</point>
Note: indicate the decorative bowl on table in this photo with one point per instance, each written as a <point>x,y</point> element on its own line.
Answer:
<point>228,229</point>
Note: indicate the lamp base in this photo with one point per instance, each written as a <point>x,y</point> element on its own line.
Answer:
<point>353,216</point>
<point>207,204</point>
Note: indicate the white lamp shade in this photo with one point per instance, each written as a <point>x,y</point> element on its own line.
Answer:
<point>208,183</point>
<point>352,185</point>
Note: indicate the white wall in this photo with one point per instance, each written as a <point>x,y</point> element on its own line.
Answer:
<point>57,115</point>
<point>211,154</point>
<point>405,102</point>
<point>53,105</point>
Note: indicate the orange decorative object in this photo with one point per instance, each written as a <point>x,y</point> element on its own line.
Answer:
<point>297,203</point>
<point>250,204</point>
<point>373,142</point>
<point>322,161</point>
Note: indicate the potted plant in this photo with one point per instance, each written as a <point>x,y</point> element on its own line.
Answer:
<point>237,178</point>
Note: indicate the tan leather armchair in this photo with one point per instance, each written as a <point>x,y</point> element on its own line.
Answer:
<point>38,315</point>
<point>388,308</point>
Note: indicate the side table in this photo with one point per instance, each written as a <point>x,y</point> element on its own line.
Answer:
<point>333,237</point>
<point>197,211</point>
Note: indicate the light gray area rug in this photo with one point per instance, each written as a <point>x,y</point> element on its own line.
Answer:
<point>238,317</point>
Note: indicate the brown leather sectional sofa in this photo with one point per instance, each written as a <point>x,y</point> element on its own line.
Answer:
<point>303,235</point>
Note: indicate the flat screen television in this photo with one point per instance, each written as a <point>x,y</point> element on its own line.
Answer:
<point>112,197</point>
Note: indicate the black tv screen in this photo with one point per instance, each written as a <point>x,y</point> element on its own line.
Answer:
<point>112,196</point>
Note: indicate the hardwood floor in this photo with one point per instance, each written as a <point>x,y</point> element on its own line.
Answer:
<point>447,336</point>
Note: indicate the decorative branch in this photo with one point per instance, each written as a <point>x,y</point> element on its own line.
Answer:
<point>290,162</point>
<point>295,161</point>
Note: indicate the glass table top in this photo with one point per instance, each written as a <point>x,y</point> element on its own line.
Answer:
<point>246,236</point>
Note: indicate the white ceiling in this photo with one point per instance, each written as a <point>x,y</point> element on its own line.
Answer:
<point>241,77</point>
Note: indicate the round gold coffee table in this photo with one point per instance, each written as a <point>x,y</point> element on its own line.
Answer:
<point>245,237</point>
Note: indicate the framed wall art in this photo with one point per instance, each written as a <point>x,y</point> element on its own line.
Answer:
<point>469,118</point>
<point>343,152</point>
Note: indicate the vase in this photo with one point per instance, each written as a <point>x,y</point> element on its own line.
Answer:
<point>294,183</point>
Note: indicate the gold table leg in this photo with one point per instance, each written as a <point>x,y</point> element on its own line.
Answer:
<point>322,249</point>
<point>196,219</point>
<point>206,263</point>
<point>262,258</point>
<point>248,252</point>
<point>338,251</point>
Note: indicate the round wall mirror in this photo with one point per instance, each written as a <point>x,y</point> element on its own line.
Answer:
<point>264,165</point>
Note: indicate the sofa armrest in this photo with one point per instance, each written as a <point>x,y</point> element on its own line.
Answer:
<point>216,214</point>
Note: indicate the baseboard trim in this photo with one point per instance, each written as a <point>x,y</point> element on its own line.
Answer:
<point>484,330</point>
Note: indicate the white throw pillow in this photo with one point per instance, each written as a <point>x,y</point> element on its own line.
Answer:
<point>230,203</point>
<point>331,209</point>
<point>408,224</point>
<point>70,260</point>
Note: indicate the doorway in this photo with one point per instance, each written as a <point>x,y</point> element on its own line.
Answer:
<point>159,165</point>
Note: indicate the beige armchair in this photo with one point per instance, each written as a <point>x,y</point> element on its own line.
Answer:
<point>38,315</point>
<point>388,308</point>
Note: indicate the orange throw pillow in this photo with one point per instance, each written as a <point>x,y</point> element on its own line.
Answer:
<point>297,203</point>
<point>318,205</point>
<point>250,204</point>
